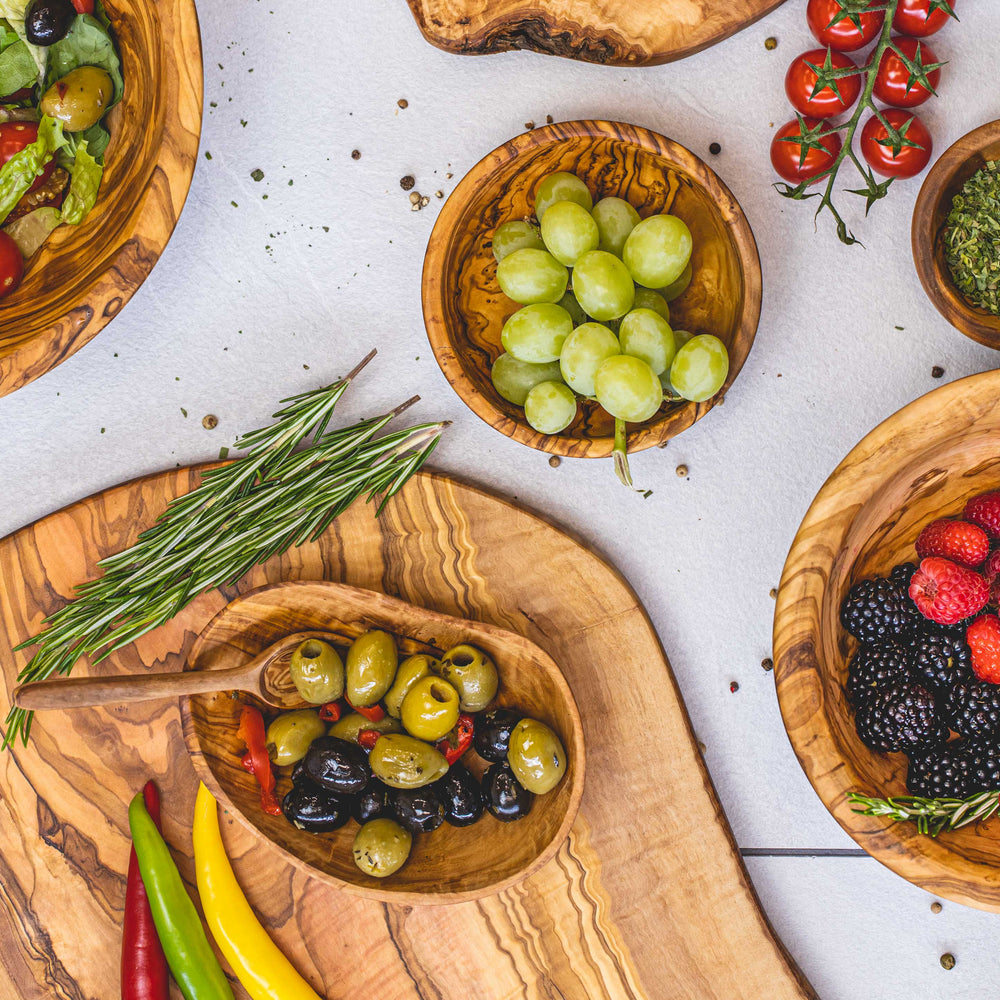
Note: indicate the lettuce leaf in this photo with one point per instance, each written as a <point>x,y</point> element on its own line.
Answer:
<point>31,230</point>
<point>17,66</point>
<point>87,43</point>
<point>20,171</point>
<point>13,12</point>
<point>85,179</point>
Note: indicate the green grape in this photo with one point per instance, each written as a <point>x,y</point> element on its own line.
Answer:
<point>681,337</point>
<point>513,378</point>
<point>568,231</point>
<point>677,288</point>
<point>646,334</point>
<point>536,333</point>
<point>531,275</point>
<point>602,285</point>
<point>569,303</point>
<point>561,186</point>
<point>615,219</point>
<point>700,367</point>
<point>657,250</point>
<point>646,298</point>
<point>583,352</point>
<point>517,235</point>
<point>550,407</point>
<point>628,389</point>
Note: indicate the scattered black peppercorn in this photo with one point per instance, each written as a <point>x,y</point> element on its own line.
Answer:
<point>937,371</point>
<point>407,182</point>
<point>715,149</point>
<point>355,154</point>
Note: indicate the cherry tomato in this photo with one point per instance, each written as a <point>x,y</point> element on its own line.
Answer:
<point>11,265</point>
<point>915,17</point>
<point>911,159</point>
<point>14,136</point>
<point>844,36</point>
<point>800,82</point>
<point>786,157</point>
<point>83,6</point>
<point>892,77</point>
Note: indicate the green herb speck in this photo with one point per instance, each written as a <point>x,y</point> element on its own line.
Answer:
<point>223,453</point>
<point>185,412</point>
<point>972,239</point>
<point>257,175</point>
<point>208,155</point>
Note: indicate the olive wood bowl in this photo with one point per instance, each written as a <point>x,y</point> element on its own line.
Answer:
<point>922,463</point>
<point>83,275</point>
<point>448,865</point>
<point>464,309</point>
<point>945,179</point>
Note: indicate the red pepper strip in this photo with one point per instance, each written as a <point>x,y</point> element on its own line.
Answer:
<point>247,761</point>
<point>459,739</point>
<point>372,713</point>
<point>144,966</point>
<point>368,738</point>
<point>330,712</point>
<point>83,6</point>
<point>252,733</point>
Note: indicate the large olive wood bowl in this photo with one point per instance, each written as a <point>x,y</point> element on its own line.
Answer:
<point>448,865</point>
<point>924,462</point>
<point>83,275</point>
<point>464,309</point>
<point>945,179</point>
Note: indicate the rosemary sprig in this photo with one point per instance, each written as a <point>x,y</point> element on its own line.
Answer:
<point>932,816</point>
<point>296,477</point>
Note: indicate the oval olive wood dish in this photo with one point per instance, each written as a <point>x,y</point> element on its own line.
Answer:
<point>945,179</point>
<point>464,309</point>
<point>83,275</point>
<point>924,462</point>
<point>448,865</point>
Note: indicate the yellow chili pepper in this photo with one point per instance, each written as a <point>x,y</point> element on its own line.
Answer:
<point>257,961</point>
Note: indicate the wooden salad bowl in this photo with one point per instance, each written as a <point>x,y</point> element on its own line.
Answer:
<point>945,179</point>
<point>464,309</point>
<point>448,865</point>
<point>83,275</point>
<point>924,462</point>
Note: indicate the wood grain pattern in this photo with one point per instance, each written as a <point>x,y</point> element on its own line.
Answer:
<point>601,31</point>
<point>945,179</point>
<point>647,898</point>
<point>464,309</point>
<point>924,462</point>
<point>83,275</point>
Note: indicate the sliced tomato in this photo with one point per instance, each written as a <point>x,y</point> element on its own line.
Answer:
<point>801,79</point>
<point>14,136</point>
<point>83,6</point>
<point>11,265</point>
<point>787,153</point>
<point>878,152</point>
<point>843,34</point>
<point>921,18</point>
<point>893,84</point>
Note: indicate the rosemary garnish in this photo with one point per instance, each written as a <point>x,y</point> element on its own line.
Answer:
<point>972,238</point>
<point>932,816</point>
<point>295,478</point>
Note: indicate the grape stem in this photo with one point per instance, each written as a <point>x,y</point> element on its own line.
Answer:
<point>622,470</point>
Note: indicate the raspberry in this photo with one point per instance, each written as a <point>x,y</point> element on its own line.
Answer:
<point>946,592</point>
<point>961,542</point>
<point>984,510</point>
<point>983,637</point>
<point>991,568</point>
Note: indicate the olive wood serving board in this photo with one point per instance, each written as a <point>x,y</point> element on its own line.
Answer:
<point>647,898</point>
<point>615,32</point>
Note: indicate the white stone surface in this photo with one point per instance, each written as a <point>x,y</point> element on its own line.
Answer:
<point>247,296</point>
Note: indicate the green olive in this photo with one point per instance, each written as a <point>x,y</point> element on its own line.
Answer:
<point>536,756</point>
<point>381,847</point>
<point>371,668</point>
<point>410,671</point>
<point>317,672</point>
<point>351,724</point>
<point>430,710</point>
<point>79,99</point>
<point>474,675</point>
<point>289,736</point>
<point>404,762</point>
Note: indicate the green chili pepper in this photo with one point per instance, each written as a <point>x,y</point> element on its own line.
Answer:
<point>192,962</point>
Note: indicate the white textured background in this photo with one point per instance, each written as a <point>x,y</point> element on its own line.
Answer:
<point>257,301</point>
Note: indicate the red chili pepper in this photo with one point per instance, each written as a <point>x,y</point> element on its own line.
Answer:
<point>83,6</point>
<point>252,733</point>
<point>459,739</point>
<point>368,738</point>
<point>144,966</point>
<point>373,713</point>
<point>330,712</point>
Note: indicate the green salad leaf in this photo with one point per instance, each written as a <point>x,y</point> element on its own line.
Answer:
<point>85,179</point>
<point>17,65</point>
<point>87,43</point>
<point>31,230</point>
<point>13,12</point>
<point>20,171</point>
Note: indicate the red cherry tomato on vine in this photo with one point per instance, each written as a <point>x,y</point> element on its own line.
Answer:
<point>11,265</point>
<point>14,136</point>
<point>915,17</point>
<point>892,77</point>
<point>786,157</point>
<point>800,81</point>
<point>910,160</point>
<point>844,36</point>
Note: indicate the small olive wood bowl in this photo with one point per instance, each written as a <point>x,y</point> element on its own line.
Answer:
<point>924,462</point>
<point>464,309</point>
<point>83,275</point>
<point>448,865</point>
<point>956,165</point>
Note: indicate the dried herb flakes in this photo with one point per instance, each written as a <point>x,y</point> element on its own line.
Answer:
<point>972,238</point>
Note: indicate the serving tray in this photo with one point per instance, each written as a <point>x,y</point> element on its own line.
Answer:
<point>647,898</point>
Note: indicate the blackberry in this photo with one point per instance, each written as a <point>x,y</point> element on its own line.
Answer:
<point>878,610</point>
<point>941,773</point>
<point>972,708</point>
<point>902,574</point>
<point>957,630</point>
<point>941,660</point>
<point>873,666</point>
<point>901,715</point>
<point>983,758</point>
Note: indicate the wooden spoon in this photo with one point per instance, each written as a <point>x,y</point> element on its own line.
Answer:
<point>266,677</point>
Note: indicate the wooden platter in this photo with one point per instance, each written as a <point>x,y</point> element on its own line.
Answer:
<point>615,32</point>
<point>647,898</point>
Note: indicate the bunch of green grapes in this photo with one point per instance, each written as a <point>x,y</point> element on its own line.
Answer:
<point>595,283</point>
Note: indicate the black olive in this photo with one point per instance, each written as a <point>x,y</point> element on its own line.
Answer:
<point>505,797</point>
<point>299,771</point>
<point>46,21</point>
<point>372,803</point>
<point>312,808</point>
<point>338,765</point>
<point>418,810</point>
<point>459,791</point>
<point>491,738</point>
